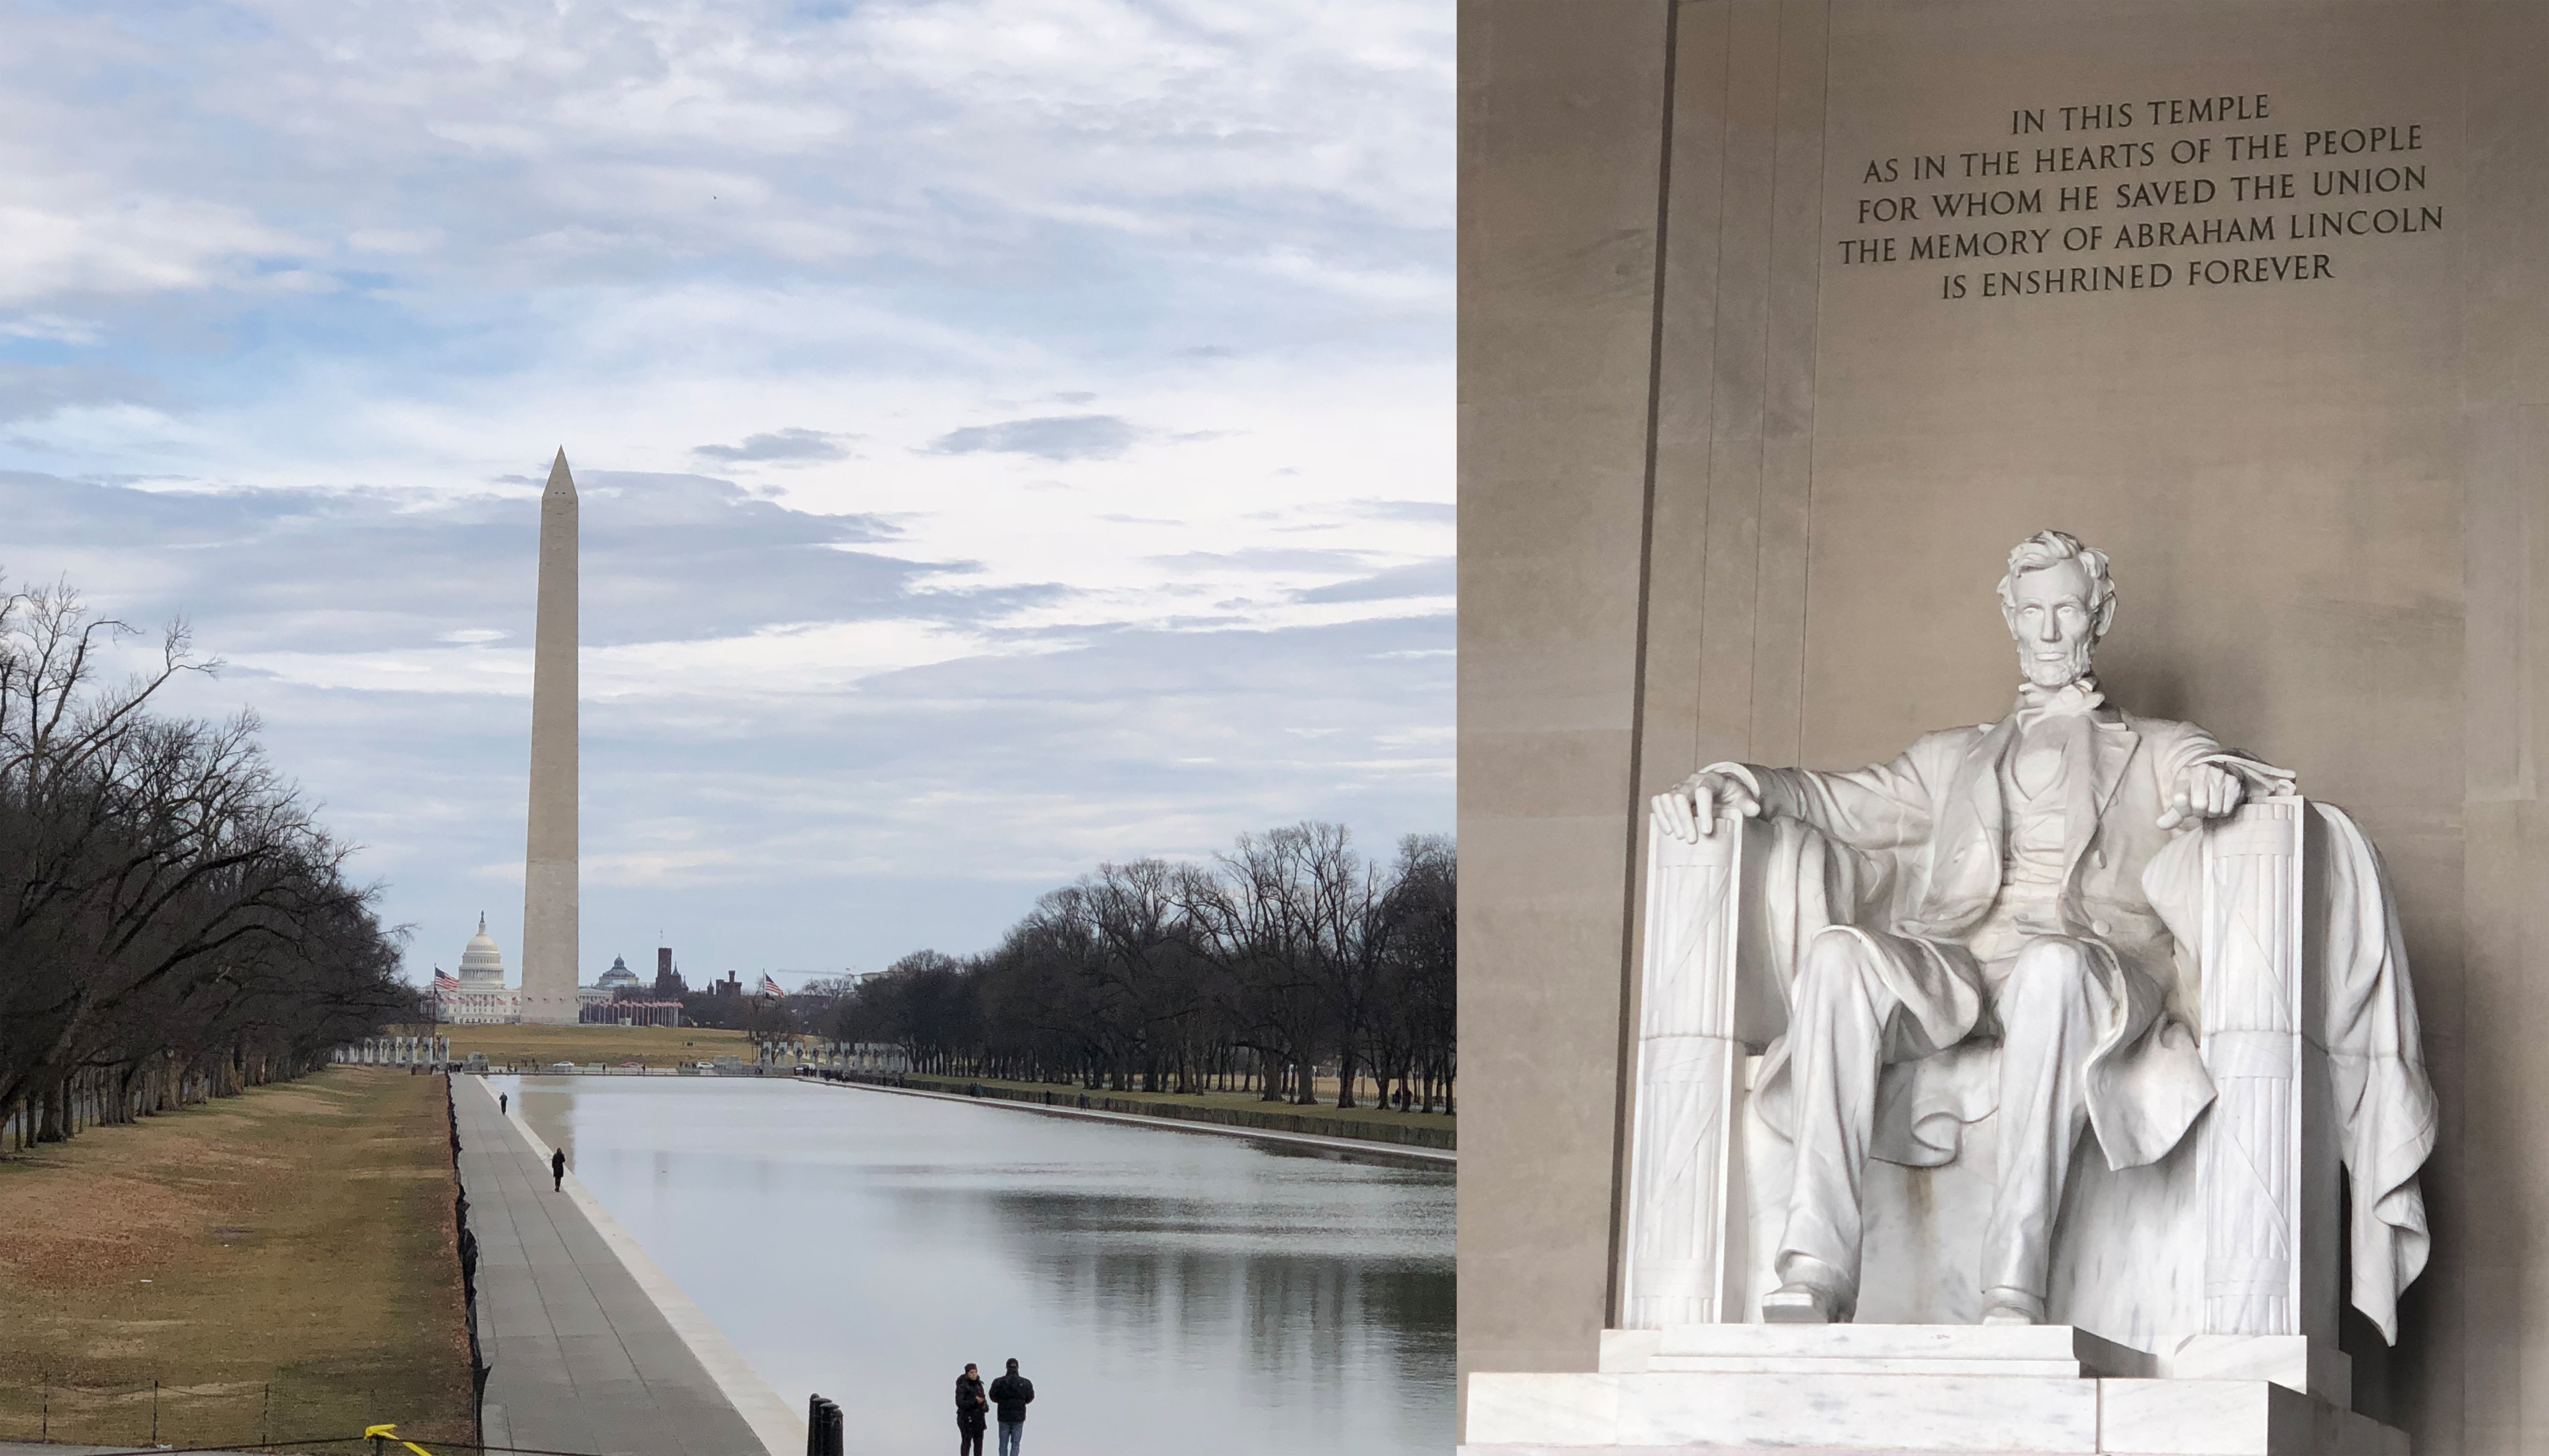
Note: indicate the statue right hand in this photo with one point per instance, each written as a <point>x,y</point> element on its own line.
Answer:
<point>1690,810</point>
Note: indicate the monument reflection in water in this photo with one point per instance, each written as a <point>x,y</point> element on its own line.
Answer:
<point>1165,1291</point>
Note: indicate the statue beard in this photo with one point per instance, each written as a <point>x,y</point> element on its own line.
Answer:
<point>2070,669</point>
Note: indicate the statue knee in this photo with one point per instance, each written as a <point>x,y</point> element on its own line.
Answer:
<point>1835,962</point>
<point>2054,965</point>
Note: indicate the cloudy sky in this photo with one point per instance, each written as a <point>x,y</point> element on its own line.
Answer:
<point>1013,433</point>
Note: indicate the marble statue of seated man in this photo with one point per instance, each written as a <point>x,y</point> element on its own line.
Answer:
<point>2023,921</point>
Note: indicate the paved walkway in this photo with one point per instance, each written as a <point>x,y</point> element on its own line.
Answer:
<point>591,1347</point>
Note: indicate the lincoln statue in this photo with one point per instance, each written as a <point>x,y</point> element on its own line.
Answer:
<point>2024,926</point>
<point>2052,1086</point>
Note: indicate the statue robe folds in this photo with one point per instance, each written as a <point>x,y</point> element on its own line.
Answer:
<point>1916,847</point>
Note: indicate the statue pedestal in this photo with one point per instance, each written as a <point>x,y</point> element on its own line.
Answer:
<point>1902,1388</point>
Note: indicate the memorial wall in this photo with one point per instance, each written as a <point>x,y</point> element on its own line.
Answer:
<point>1782,320</point>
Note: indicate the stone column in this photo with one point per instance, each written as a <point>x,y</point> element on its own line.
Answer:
<point>550,892</point>
<point>2267,1156</point>
<point>1681,1155</point>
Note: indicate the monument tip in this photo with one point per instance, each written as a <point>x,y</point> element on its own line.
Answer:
<point>559,478</point>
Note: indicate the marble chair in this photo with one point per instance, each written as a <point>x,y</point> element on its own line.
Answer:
<point>2220,1260</point>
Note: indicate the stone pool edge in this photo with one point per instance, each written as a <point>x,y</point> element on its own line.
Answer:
<point>1360,1147</point>
<point>771,1417</point>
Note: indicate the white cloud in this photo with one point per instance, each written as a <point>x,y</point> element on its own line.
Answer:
<point>142,245</point>
<point>1003,421</point>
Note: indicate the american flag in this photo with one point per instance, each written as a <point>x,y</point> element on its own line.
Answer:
<point>443,983</point>
<point>770,987</point>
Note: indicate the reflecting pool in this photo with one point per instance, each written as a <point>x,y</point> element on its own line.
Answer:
<point>1166,1292</point>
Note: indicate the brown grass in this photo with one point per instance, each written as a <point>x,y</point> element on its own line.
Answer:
<point>610,1046</point>
<point>296,1241</point>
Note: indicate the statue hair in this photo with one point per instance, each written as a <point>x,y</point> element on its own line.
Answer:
<point>2047,548</point>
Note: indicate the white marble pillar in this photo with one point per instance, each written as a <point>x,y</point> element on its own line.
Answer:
<point>1681,1161</point>
<point>2252,998</point>
<point>550,887</point>
<point>2268,1159</point>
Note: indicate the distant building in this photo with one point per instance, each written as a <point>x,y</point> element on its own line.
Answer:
<point>632,1013</point>
<point>478,996</point>
<point>617,977</point>
<point>606,989</point>
<point>668,976</point>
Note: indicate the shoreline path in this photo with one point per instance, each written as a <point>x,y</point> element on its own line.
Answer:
<point>589,1346</point>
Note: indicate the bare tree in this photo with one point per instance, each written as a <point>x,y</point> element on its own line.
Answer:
<point>1250,970</point>
<point>172,919</point>
<point>1419,1026</point>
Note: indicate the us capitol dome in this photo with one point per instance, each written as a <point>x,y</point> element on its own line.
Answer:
<point>478,996</point>
<point>480,964</point>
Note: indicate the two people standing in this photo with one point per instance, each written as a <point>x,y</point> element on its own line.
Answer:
<point>1007,1398</point>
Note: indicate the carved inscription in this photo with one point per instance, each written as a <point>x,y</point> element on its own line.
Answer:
<point>2129,196</point>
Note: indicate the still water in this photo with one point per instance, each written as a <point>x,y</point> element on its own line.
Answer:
<point>1166,1292</point>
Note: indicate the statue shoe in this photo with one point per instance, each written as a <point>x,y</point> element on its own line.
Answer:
<point>2012,1306</point>
<point>1806,1299</point>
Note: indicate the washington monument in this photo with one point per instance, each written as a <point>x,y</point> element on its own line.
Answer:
<point>550,892</point>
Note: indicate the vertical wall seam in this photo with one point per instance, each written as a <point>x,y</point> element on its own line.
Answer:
<point>1716,327</point>
<point>1752,746</point>
<point>1625,1065</point>
<point>1814,354</point>
<point>2527,783</point>
<point>1709,630</point>
<point>1711,633</point>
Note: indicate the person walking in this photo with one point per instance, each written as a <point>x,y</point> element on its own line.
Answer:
<point>557,1171</point>
<point>1011,1393</point>
<point>971,1404</point>
<point>504,1103</point>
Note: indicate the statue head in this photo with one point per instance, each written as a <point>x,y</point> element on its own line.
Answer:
<point>2058,601</point>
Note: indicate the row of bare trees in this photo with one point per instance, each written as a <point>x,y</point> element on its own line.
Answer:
<point>173,923</point>
<point>1286,961</point>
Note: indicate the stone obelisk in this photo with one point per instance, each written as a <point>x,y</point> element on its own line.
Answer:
<point>550,889</point>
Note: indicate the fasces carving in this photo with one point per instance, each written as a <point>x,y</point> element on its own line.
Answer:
<point>2073,931</point>
<point>2250,1168</point>
<point>1687,1059</point>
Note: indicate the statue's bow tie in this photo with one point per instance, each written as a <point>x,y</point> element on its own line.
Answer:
<point>2072,698</point>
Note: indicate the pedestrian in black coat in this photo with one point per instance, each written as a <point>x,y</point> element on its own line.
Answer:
<point>971,1405</point>
<point>557,1170</point>
<point>1011,1393</point>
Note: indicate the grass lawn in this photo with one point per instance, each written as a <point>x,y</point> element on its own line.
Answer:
<point>297,1239</point>
<point>1248,1100</point>
<point>609,1045</point>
